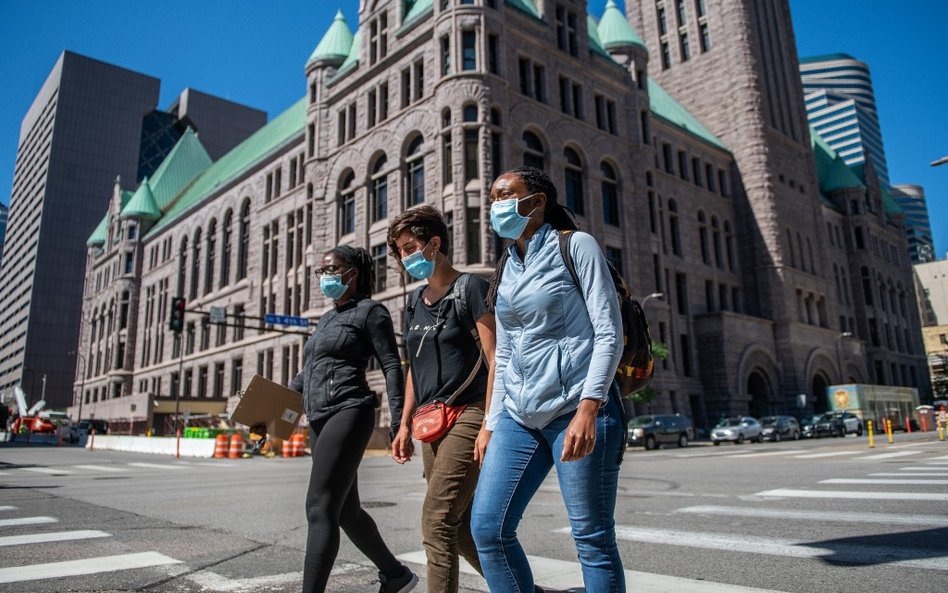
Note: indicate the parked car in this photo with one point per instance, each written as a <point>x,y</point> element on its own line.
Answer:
<point>737,429</point>
<point>77,432</point>
<point>806,425</point>
<point>777,428</point>
<point>828,425</point>
<point>652,431</point>
<point>851,422</point>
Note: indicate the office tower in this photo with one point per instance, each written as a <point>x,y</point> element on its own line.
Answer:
<point>918,228</point>
<point>4,211</point>
<point>84,129</point>
<point>841,106</point>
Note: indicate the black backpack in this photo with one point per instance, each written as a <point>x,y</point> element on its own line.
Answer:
<point>637,364</point>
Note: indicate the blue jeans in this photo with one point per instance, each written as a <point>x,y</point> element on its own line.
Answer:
<point>518,460</point>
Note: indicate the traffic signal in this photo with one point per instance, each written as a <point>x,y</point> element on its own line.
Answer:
<point>176,322</point>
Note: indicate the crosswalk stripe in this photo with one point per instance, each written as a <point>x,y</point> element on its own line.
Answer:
<point>913,468</point>
<point>567,575</point>
<point>53,570</point>
<point>769,454</point>
<point>884,481</point>
<point>827,454</point>
<point>912,474</point>
<point>887,455</point>
<point>942,459</point>
<point>7,508</point>
<point>854,554</point>
<point>52,536</point>
<point>97,468</point>
<point>157,465</point>
<point>832,516</point>
<point>46,470</point>
<point>715,453</point>
<point>841,494</point>
<point>26,521</point>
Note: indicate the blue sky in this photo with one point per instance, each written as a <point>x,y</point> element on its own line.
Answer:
<point>253,52</point>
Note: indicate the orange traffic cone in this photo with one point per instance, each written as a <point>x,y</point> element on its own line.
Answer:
<point>236,446</point>
<point>285,448</point>
<point>220,446</point>
<point>300,444</point>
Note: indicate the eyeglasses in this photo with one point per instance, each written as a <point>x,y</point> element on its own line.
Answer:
<point>331,269</point>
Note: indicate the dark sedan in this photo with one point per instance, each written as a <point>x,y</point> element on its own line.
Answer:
<point>825,425</point>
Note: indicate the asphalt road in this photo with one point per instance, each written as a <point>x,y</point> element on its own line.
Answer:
<point>807,516</point>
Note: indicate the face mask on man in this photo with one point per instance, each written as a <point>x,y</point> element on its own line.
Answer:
<point>506,220</point>
<point>418,266</point>
<point>332,285</point>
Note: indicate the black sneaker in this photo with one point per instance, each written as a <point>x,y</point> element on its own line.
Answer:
<point>400,584</point>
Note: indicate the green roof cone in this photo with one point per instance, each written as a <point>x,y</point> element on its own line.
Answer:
<point>614,30</point>
<point>142,205</point>
<point>335,44</point>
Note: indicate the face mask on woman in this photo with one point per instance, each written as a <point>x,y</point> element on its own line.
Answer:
<point>418,266</point>
<point>506,220</point>
<point>332,285</point>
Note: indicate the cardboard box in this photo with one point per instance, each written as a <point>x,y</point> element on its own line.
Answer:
<point>271,404</point>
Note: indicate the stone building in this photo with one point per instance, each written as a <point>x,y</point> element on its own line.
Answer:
<point>685,151</point>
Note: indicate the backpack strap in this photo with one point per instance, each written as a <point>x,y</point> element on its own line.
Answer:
<point>564,237</point>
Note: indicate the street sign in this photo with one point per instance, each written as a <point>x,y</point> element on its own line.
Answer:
<point>273,319</point>
<point>218,314</point>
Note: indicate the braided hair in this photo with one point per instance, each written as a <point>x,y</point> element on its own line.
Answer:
<point>556,215</point>
<point>360,259</point>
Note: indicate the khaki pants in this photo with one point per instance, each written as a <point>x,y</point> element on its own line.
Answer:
<point>446,516</point>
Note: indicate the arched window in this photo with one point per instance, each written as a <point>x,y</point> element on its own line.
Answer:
<point>182,266</point>
<point>533,151</point>
<point>471,137</point>
<point>673,227</point>
<point>244,247</point>
<point>414,174</point>
<point>226,231</point>
<point>495,117</point>
<point>574,182</point>
<point>610,194</point>
<point>195,265</point>
<point>716,241</point>
<point>703,237</point>
<point>347,204</point>
<point>378,206</point>
<point>470,112</point>
<point>210,256</point>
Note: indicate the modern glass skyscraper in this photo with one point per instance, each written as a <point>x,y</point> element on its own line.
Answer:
<point>841,106</point>
<point>3,227</point>
<point>918,228</point>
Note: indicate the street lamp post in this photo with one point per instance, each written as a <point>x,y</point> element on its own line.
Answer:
<point>839,361</point>
<point>82,381</point>
<point>940,161</point>
<point>654,295</point>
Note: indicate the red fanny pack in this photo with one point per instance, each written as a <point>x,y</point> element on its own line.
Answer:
<point>432,421</point>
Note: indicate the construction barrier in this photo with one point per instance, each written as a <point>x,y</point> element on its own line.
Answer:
<point>236,446</point>
<point>220,446</point>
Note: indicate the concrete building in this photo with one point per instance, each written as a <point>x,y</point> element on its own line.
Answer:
<point>918,228</point>
<point>932,288</point>
<point>841,105</point>
<point>685,150</point>
<point>4,211</point>
<point>90,123</point>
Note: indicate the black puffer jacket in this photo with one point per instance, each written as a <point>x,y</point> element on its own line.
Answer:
<point>336,356</point>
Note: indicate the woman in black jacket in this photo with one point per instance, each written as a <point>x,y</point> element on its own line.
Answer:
<point>341,410</point>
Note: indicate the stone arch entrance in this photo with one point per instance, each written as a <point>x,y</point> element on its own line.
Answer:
<point>759,388</point>
<point>818,393</point>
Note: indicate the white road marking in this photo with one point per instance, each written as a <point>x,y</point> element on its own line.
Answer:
<point>563,574</point>
<point>53,536</point>
<point>52,570</point>
<point>211,581</point>
<point>887,455</point>
<point>841,494</point>
<point>98,468</point>
<point>27,521</point>
<point>157,465</point>
<point>7,508</point>
<point>46,470</point>
<point>769,454</point>
<point>922,468</point>
<point>828,454</point>
<point>833,516</point>
<point>208,463</point>
<point>884,481</point>
<point>749,544</point>
<point>912,474</point>
<point>942,459</point>
<point>714,453</point>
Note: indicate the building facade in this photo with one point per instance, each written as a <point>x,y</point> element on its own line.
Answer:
<point>918,227</point>
<point>932,286</point>
<point>841,105</point>
<point>90,123</point>
<point>704,188</point>
<point>4,211</point>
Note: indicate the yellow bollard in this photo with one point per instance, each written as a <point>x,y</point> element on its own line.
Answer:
<point>872,441</point>
<point>941,432</point>
<point>888,425</point>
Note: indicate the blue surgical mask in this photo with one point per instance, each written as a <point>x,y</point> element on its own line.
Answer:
<point>506,221</point>
<point>332,285</point>
<point>418,266</point>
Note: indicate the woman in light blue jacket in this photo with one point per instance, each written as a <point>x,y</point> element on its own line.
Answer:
<point>554,399</point>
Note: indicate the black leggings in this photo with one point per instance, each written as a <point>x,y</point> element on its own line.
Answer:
<point>333,498</point>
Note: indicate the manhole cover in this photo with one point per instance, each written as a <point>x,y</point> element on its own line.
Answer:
<point>377,504</point>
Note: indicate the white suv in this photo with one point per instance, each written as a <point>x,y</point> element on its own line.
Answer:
<point>737,429</point>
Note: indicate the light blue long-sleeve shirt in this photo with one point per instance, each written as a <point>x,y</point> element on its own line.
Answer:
<point>555,346</point>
